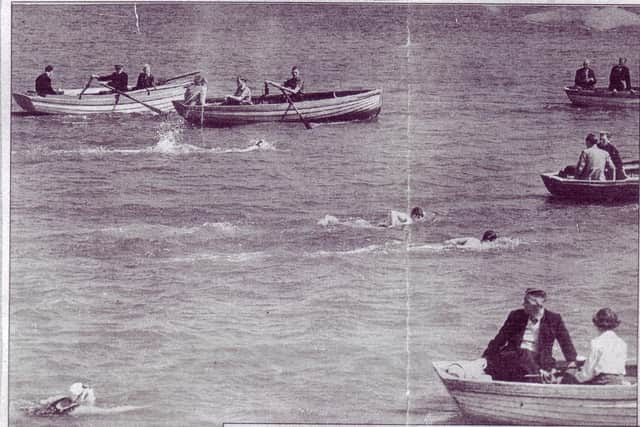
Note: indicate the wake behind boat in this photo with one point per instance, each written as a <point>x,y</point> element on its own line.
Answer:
<point>603,97</point>
<point>315,107</point>
<point>98,100</point>
<point>519,403</point>
<point>579,189</point>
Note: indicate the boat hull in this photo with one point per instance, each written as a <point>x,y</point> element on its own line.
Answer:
<point>543,404</point>
<point>601,97</point>
<point>316,107</point>
<point>603,191</point>
<point>97,101</point>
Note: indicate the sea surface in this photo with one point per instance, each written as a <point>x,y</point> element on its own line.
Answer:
<point>193,277</point>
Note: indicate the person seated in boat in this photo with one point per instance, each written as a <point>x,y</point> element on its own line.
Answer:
<point>593,161</point>
<point>397,219</point>
<point>43,83</point>
<point>472,242</point>
<point>522,349</point>
<point>619,78</point>
<point>79,394</point>
<point>295,85</point>
<point>585,77</point>
<point>118,79</point>
<point>242,94</point>
<point>607,357</point>
<point>196,93</point>
<point>145,78</point>
<point>605,144</point>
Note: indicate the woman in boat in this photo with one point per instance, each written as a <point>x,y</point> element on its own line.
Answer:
<point>606,361</point>
<point>242,94</point>
<point>145,78</point>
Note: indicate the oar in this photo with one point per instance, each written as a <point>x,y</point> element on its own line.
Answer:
<point>193,73</point>
<point>119,92</point>
<point>286,95</point>
<point>86,87</point>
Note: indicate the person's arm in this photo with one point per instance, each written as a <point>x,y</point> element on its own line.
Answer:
<point>612,167</point>
<point>587,371</point>
<point>592,75</point>
<point>501,338</point>
<point>581,165</point>
<point>612,78</point>
<point>577,80</point>
<point>627,79</point>
<point>564,339</point>
<point>458,241</point>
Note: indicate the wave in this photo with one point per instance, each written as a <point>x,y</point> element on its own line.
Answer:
<point>499,244</point>
<point>599,19</point>
<point>156,230</point>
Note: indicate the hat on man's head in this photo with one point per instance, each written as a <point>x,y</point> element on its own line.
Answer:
<point>535,292</point>
<point>49,68</point>
<point>606,319</point>
<point>118,66</point>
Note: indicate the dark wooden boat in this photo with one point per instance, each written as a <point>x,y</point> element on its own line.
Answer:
<point>576,189</point>
<point>603,97</point>
<point>315,107</point>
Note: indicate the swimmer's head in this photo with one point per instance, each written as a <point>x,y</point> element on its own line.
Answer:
<point>417,213</point>
<point>489,236</point>
<point>82,393</point>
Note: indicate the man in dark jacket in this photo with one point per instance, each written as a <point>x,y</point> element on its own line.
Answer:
<point>585,77</point>
<point>43,82</point>
<point>619,79</point>
<point>522,350</point>
<point>118,79</point>
<point>606,145</point>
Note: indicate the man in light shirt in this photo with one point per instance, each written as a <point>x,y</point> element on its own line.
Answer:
<point>593,161</point>
<point>522,349</point>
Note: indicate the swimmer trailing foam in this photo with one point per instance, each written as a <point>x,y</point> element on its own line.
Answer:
<point>600,19</point>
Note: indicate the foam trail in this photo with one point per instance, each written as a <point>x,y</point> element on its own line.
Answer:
<point>330,220</point>
<point>96,410</point>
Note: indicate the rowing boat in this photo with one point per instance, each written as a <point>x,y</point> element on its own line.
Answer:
<point>98,100</point>
<point>602,97</point>
<point>518,403</point>
<point>585,190</point>
<point>315,107</point>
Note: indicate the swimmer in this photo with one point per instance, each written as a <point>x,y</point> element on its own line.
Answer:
<point>79,394</point>
<point>471,242</point>
<point>400,218</point>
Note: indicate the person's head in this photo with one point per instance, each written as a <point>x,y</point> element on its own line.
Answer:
<point>118,68</point>
<point>590,140</point>
<point>417,213</point>
<point>585,63</point>
<point>489,236</point>
<point>146,68</point>
<point>604,137</point>
<point>295,72</point>
<point>48,69</point>
<point>622,61</point>
<point>82,393</point>
<point>605,319</point>
<point>534,299</point>
<point>241,81</point>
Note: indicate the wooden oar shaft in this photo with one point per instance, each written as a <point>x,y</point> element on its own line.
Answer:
<point>86,87</point>
<point>286,95</point>
<point>193,73</point>
<point>119,92</point>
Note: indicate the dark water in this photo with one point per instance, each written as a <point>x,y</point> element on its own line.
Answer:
<point>194,278</point>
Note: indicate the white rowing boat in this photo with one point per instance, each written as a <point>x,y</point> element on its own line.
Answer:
<point>99,100</point>
<point>485,400</point>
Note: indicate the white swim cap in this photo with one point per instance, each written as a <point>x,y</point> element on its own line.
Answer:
<point>76,389</point>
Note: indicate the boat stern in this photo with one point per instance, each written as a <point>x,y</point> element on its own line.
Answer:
<point>24,101</point>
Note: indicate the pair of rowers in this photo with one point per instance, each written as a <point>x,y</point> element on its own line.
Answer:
<point>397,219</point>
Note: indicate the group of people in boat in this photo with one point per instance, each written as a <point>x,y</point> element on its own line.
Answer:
<point>599,161</point>
<point>118,80</point>
<point>197,92</point>
<point>619,77</point>
<point>522,349</point>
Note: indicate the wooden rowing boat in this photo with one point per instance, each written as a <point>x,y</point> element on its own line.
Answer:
<point>603,97</point>
<point>99,100</point>
<point>584,190</point>
<point>485,400</point>
<point>315,107</point>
